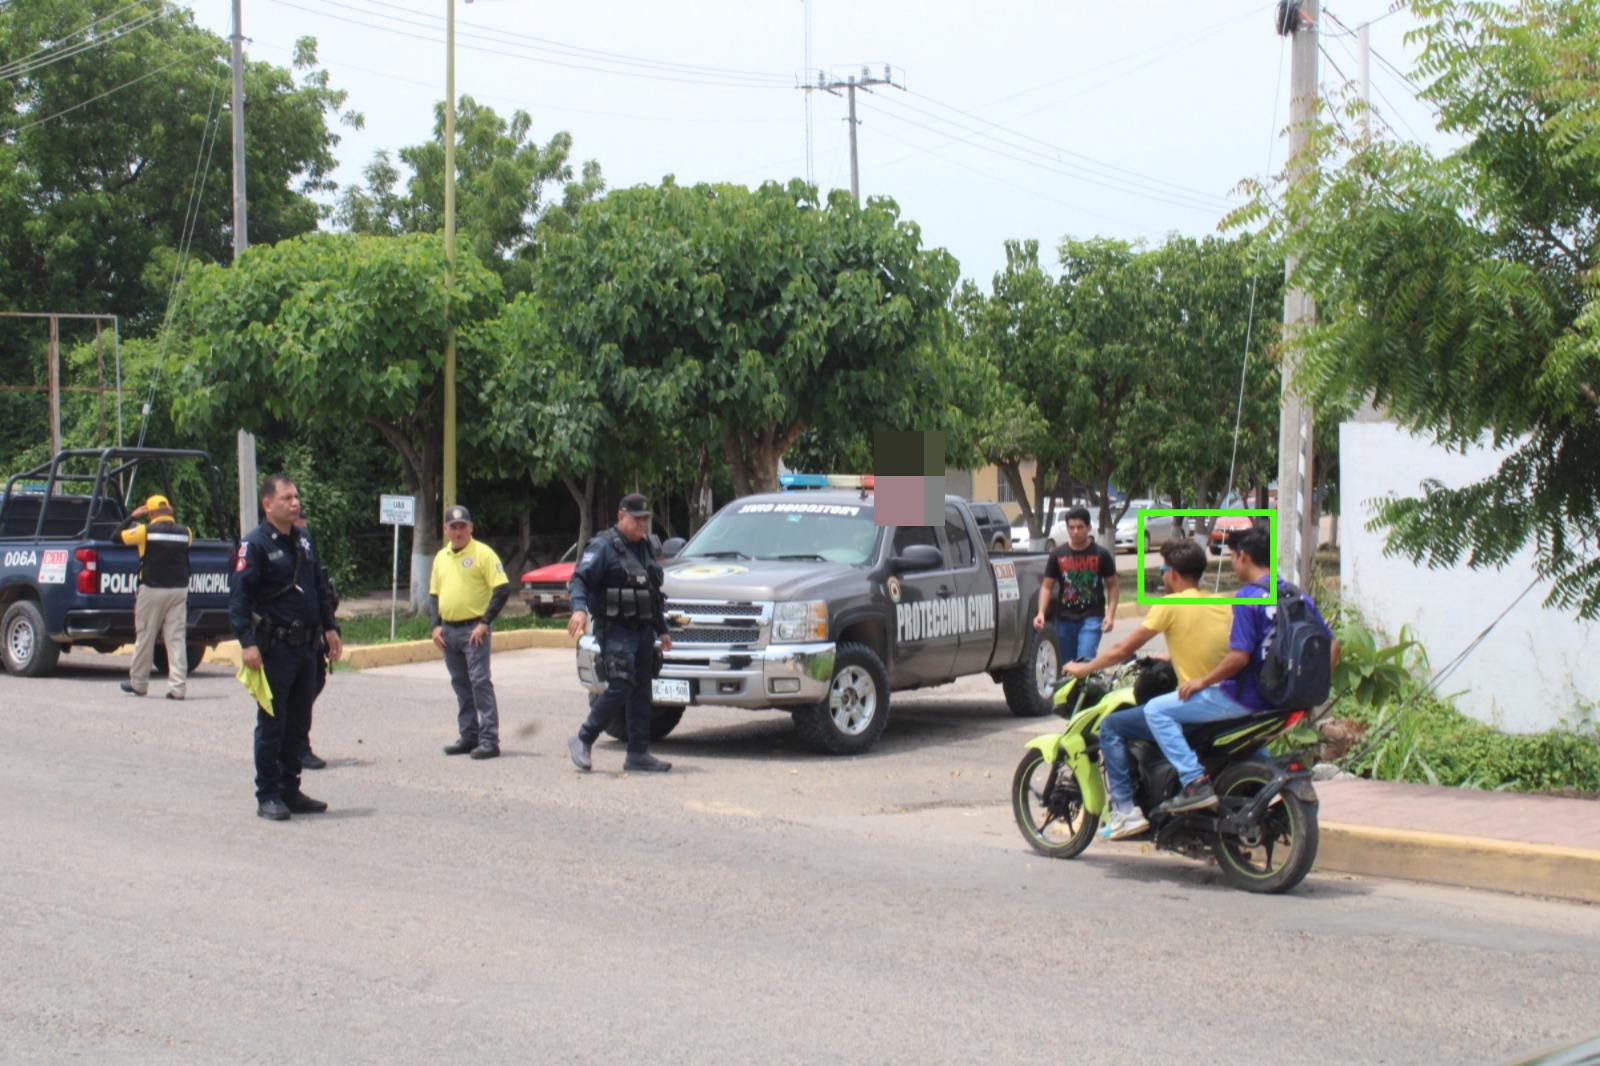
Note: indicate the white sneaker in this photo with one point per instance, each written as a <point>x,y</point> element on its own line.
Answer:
<point>1124,824</point>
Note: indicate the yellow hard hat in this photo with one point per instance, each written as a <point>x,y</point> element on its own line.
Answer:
<point>157,502</point>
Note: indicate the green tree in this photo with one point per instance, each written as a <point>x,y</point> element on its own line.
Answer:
<point>1458,291</point>
<point>765,311</point>
<point>501,181</point>
<point>324,334</point>
<point>103,148</point>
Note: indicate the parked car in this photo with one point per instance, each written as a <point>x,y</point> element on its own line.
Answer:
<point>1158,529</point>
<point>802,603</point>
<point>1225,525</point>
<point>992,524</point>
<point>544,588</point>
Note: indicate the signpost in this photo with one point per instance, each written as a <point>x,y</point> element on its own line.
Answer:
<point>396,511</point>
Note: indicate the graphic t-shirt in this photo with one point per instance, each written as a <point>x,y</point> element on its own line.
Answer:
<point>1080,577</point>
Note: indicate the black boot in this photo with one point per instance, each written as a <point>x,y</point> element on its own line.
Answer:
<point>312,761</point>
<point>273,808</point>
<point>300,803</point>
<point>461,747</point>
<point>645,764</point>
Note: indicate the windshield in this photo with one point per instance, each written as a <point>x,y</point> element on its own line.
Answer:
<point>798,531</point>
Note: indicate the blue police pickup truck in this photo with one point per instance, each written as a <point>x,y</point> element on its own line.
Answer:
<point>66,578</point>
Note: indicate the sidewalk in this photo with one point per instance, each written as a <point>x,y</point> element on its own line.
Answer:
<point>1501,841</point>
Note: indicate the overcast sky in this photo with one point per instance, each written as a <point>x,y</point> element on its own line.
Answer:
<point>1028,119</point>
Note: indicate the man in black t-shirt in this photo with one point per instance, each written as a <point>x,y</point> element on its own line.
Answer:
<point>1081,576</point>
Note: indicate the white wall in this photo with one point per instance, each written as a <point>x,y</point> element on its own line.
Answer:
<point>1538,665</point>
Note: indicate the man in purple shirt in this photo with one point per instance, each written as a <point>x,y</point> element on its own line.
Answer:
<point>1230,689</point>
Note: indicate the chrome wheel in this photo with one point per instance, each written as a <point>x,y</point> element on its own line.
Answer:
<point>853,700</point>
<point>1045,667</point>
<point>19,641</point>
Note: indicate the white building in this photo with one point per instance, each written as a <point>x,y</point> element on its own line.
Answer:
<point>1538,669</point>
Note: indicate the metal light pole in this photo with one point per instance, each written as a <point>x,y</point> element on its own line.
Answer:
<point>241,240</point>
<point>449,487</point>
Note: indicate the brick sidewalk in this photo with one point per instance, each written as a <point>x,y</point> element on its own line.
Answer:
<point>1509,816</point>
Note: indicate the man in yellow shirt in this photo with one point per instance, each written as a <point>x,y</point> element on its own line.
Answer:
<point>1197,639</point>
<point>467,591</point>
<point>161,606</point>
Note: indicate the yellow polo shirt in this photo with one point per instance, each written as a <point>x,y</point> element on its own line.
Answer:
<point>463,580</point>
<point>138,534</point>
<point>1197,633</point>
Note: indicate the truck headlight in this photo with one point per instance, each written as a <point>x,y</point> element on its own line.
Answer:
<point>802,620</point>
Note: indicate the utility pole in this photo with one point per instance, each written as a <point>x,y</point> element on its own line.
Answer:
<point>866,80</point>
<point>241,241</point>
<point>449,487</point>
<point>811,174</point>
<point>1297,541</point>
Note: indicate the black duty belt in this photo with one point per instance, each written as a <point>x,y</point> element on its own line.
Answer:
<point>291,635</point>
<point>464,621</point>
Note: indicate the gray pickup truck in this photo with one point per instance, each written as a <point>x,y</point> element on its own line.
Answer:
<point>801,602</point>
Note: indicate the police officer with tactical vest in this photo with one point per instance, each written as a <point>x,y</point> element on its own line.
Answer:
<point>282,622</point>
<point>161,606</point>
<point>622,580</point>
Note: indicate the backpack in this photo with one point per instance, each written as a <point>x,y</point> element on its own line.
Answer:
<point>1295,667</point>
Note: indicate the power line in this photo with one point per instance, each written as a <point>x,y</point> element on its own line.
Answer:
<point>581,51</point>
<point>1050,165</point>
<point>528,105</point>
<point>523,55</point>
<point>101,96</point>
<point>21,68</point>
<point>45,49</point>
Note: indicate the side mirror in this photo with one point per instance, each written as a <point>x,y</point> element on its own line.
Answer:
<point>918,557</point>
<point>672,547</point>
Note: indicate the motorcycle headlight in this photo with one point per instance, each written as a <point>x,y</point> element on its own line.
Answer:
<point>802,620</point>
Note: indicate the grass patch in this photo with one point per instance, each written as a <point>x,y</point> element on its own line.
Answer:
<point>1433,743</point>
<point>374,628</point>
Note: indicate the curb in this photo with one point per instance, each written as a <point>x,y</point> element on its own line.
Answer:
<point>1461,861</point>
<point>368,656</point>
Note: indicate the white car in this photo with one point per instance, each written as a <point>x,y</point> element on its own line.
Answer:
<point>1158,529</point>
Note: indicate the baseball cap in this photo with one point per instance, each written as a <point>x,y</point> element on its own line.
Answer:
<point>635,504</point>
<point>155,503</point>
<point>457,514</point>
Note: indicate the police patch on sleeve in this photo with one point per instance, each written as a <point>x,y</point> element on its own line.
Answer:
<point>588,557</point>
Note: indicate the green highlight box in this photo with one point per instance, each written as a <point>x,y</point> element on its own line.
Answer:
<point>1227,512</point>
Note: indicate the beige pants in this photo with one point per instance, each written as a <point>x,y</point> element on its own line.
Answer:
<point>164,613</point>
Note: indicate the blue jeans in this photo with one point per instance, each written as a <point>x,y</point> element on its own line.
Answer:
<point>1165,717</point>
<point>628,654</point>
<point>1077,638</point>
<point>1115,731</point>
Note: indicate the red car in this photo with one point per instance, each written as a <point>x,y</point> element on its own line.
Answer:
<point>1224,526</point>
<point>544,588</point>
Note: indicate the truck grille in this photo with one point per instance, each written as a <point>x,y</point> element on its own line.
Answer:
<point>721,610</point>
<point>717,635</point>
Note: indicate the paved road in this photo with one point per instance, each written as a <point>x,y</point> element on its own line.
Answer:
<point>758,901</point>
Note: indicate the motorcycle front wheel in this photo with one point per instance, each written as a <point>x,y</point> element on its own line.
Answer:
<point>1049,808</point>
<point>1277,853</point>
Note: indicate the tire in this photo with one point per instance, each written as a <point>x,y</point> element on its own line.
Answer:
<point>663,720</point>
<point>1289,833</point>
<point>545,610</point>
<point>1001,544</point>
<point>28,650</point>
<point>195,649</point>
<point>851,718</point>
<point>1031,683</point>
<point>1033,791</point>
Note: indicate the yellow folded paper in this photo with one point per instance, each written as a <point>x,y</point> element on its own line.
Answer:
<point>256,681</point>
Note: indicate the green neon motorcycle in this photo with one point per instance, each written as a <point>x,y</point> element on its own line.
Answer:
<point>1263,831</point>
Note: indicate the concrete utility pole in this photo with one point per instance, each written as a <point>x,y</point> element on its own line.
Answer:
<point>1297,541</point>
<point>866,80</point>
<point>448,488</point>
<point>241,241</point>
<point>1364,73</point>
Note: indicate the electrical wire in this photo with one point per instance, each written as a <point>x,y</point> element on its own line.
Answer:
<point>44,50</point>
<point>575,50</point>
<point>523,55</point>
<point>1049,167</point>
<point>22,68</point>
<point>101,96</point>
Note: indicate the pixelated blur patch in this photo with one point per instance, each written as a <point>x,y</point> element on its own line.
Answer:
<point>908,476</point>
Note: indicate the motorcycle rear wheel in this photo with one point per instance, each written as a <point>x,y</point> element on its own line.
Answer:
<point>1280,854</point>
<point>1054,826</point>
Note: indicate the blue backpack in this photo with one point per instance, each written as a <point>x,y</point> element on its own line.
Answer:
<point>1296,667</point>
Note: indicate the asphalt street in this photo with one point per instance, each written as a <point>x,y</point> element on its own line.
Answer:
<point>759,903</point>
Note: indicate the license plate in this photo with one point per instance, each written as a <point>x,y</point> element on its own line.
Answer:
<point>666,690</point>
<point>545,598</point>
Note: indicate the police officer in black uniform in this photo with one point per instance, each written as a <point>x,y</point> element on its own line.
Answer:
<point>282,622</point>
<point>620,577</point>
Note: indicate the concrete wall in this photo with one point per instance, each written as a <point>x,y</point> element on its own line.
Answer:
<point>1536,668</point>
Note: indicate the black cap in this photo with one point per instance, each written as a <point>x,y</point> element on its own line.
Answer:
<point>457,514</point>
<point>635,505</point>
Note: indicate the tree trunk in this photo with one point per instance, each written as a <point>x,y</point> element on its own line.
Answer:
<point>700,498</point>
<point>425,537</point>
<point>583,496</point>
<point>1011,470</point>
<point>753,460</point>
<point>1106,535</point>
